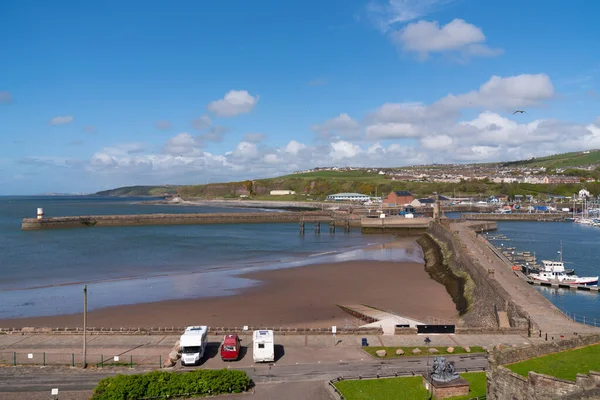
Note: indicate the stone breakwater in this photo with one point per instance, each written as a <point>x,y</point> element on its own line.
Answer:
<point>179,219</point>
<point>477,294</point>
<point>515,217</point>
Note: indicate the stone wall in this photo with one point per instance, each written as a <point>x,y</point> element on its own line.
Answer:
<point>179,330</point>
<point>513,355</point>
<point>503,384</point>
<point>485,292</point>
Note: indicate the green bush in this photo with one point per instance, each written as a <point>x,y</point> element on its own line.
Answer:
<point>200,382</point>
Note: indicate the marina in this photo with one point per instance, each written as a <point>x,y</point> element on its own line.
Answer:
<point>548,273</point>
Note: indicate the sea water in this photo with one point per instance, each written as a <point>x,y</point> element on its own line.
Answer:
<point>43,272</point>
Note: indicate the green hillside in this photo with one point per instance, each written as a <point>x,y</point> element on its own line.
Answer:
<point>564,160</point>
<point>140,191</point>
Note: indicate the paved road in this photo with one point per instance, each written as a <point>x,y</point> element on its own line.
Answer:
<point>32,379</point>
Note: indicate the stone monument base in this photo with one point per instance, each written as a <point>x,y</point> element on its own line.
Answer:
<point>442,390</point>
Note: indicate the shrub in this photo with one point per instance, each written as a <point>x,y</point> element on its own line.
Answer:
<point>200,382</point>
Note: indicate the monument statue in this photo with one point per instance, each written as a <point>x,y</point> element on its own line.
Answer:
<point>443,371</point>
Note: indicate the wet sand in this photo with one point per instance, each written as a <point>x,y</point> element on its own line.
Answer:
<point>294,297</point>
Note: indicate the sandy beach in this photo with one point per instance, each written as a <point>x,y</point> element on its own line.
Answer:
<point>295,297</point>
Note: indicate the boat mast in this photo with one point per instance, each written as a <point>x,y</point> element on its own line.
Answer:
<point>560,252</point>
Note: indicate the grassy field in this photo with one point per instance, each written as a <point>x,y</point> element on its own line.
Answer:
<point>391,351</point>
<point>362,176</point>
<point>403,388</point>
<point>564,160</point>
<point>564,365</point>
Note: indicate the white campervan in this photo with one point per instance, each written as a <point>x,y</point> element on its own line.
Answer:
<point>193,343</point>
<point>263,349</point>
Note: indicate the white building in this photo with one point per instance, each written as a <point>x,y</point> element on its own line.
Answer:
<point>348,197</point>
<point>584,193</point>
<point>281,192</point>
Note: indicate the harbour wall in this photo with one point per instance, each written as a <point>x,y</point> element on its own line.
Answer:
<point>182,219</point>
<point>514,217</point>
<point>486,298</point>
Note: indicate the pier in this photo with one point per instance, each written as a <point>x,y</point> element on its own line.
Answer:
<point>502,283</point>
<point>88,221</point>
<point>556,285</point>
<point>395,224</point>
<point>554,217</point>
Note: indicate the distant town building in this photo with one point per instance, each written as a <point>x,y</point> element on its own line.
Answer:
<point>427,202</point>
<point>348,197</point>
<point>281,192</point>
<point>561,179</point>
<point>398,198</point>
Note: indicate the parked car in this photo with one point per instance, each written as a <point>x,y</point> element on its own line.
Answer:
<point>230,348</point>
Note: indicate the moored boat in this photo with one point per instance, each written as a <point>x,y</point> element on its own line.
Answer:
<point>561,277</point>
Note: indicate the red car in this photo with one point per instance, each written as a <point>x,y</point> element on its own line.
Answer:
<point>230,348</point>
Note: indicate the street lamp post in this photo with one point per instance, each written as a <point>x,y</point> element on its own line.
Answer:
<point>427,342</point>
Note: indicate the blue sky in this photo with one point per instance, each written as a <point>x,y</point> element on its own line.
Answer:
<point>95,95</point>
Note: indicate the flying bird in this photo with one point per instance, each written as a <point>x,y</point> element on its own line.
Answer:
<point>520,112</point>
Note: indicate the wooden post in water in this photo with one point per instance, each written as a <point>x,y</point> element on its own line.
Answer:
<point>332,227</point>
<point>302,227</point>
<point>317,227</point>
<point>347,226</point>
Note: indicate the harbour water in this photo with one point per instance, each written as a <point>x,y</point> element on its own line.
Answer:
<point>580,251</point>
<point>43,272</point>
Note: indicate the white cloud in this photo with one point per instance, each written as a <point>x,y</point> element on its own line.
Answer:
<point>5,97</point>
<point>396,134</point>
<point>342,149</point>
<point>487,137</point>
<point>234,103</point>
<point>182,144</point>
<point>387,13</point>
<point>294,147</point>
<point>245,151</point>
<point>202,123</point>
<point>497,94</point>
<point>424,37</point>
<point>436,142</point>
<point>507,93</point>
<point>393,130</point>
<point>341,126</point>
<point>61,120</point>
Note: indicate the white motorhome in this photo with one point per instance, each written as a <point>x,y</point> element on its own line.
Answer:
<point>193,343</point>
<point>263,349</point>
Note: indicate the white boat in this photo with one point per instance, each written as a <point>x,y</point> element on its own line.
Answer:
<point>554,266</point>
<point>561,277</point>
<point>554,272</point>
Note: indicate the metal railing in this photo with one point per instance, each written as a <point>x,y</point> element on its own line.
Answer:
<point>22,358</point>
<point>582,319</point>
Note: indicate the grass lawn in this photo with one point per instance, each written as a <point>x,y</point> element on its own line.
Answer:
<point>391,351</point>
<point>403,388</point>
<point>564,365</point>
<point>384,389</point>
<point>477,385</point>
